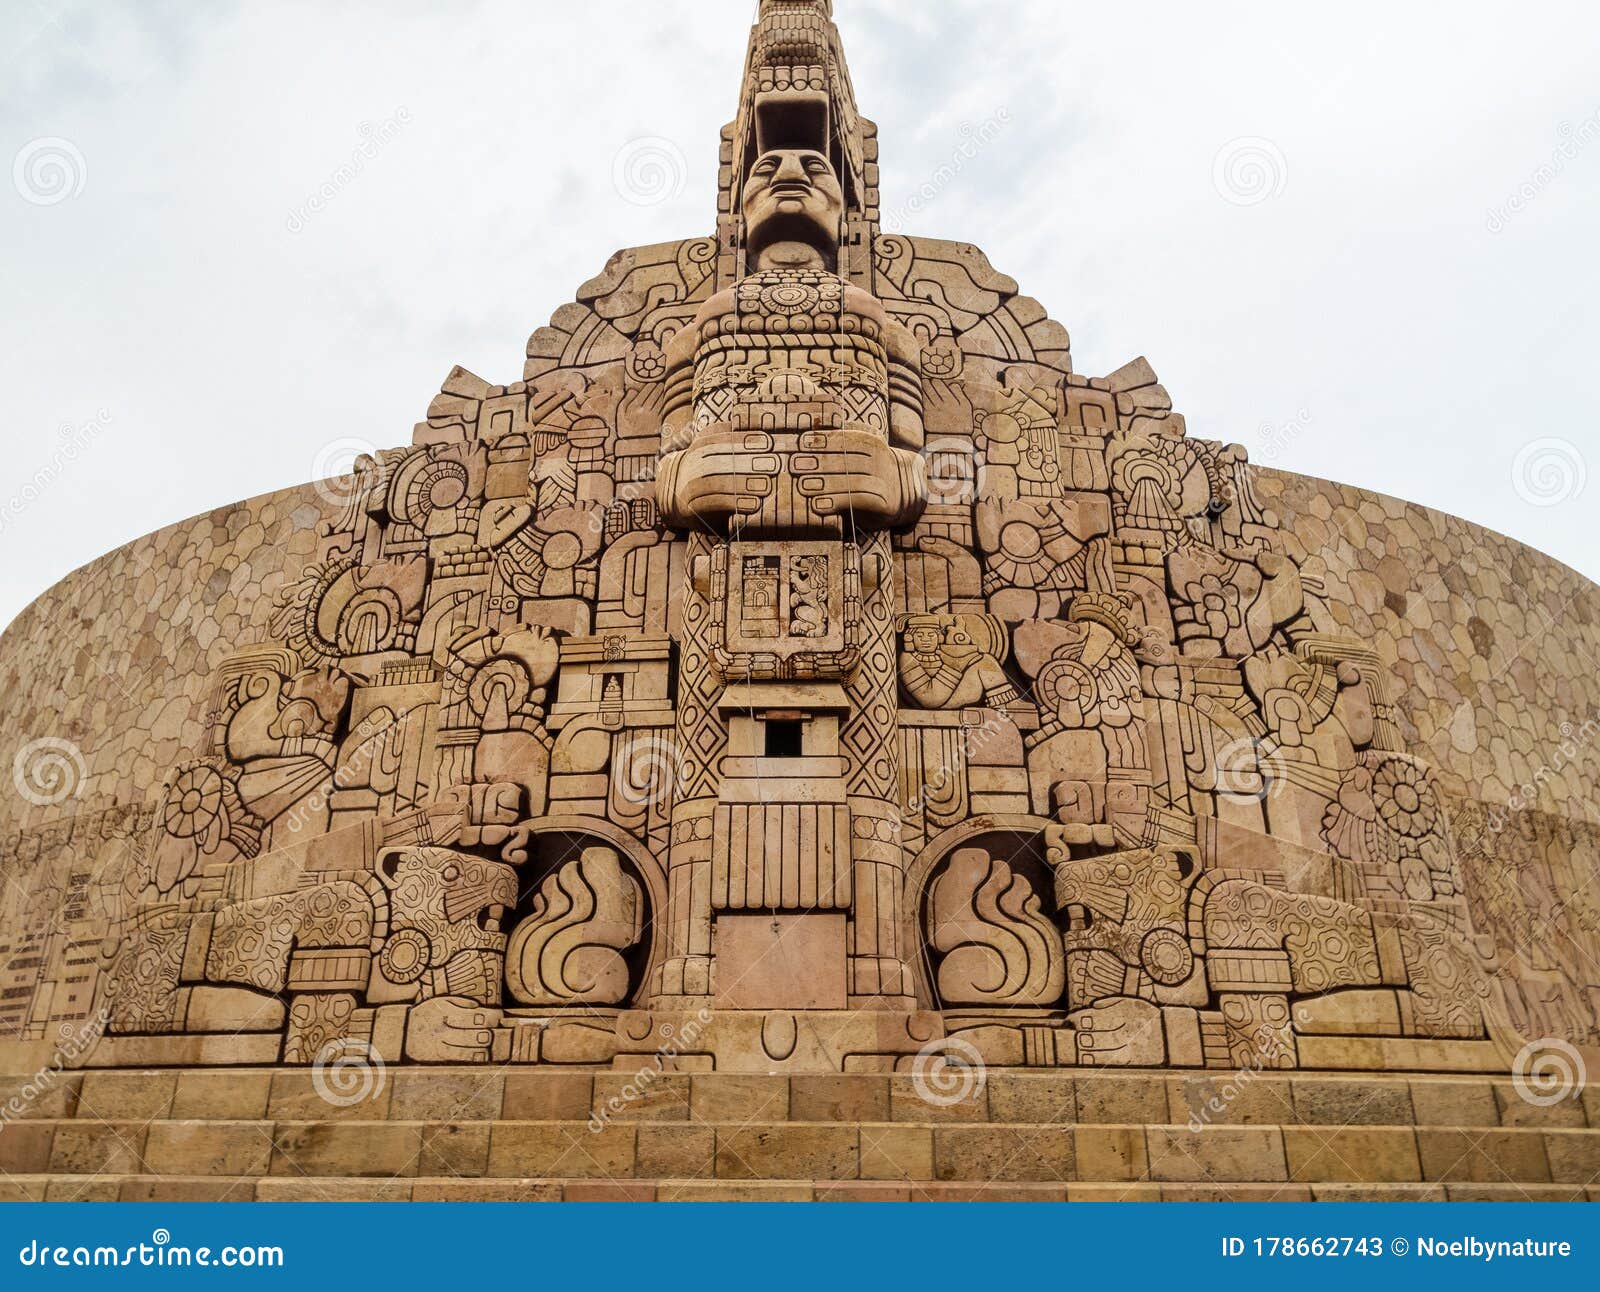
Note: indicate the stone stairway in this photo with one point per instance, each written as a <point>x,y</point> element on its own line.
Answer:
<point>436,1134</point>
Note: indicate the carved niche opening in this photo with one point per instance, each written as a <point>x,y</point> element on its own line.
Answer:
<point>580,932</point>
<point>990,941</point>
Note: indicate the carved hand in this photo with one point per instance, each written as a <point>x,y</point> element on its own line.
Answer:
<point>450,1029</point>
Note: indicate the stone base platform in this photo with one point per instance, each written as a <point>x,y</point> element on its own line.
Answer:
<point>495,1134</point>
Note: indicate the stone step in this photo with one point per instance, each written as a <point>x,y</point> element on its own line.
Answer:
<point>152,1188</point>
<point>902,1152</point>
<point>1079,1096</point>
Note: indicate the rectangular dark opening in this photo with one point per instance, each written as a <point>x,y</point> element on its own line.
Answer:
<point>784,738</point>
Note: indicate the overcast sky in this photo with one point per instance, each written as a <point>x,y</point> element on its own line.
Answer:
<point>1358,238</point>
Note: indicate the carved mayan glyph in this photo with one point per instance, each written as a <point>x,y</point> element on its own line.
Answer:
<point>804,648</point>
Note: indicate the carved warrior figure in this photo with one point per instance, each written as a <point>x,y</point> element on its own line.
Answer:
<point>663,680</point>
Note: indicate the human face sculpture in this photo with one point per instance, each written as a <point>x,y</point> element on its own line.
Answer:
<point>793,211</point>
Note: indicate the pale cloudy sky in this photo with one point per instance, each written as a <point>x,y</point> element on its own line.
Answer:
<point>1300,214</point>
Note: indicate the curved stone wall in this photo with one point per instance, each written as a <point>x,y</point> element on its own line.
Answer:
<point>1495,645</point>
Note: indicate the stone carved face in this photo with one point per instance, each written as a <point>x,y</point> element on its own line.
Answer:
<point>793,209</point>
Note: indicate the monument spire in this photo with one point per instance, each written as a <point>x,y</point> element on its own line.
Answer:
<point>796,94</point>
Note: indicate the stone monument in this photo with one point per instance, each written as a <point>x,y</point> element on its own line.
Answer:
<point>802,672</point>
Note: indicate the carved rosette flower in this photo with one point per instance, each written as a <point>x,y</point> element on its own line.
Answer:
<point>1386,810</point>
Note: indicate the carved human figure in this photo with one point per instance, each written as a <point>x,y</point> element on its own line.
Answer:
<point>954,662</point>
<point>793,209</point>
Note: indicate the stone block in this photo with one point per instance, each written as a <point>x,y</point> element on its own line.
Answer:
<point>1229,1099</point>
<point>127,1096</point>
<point>1378,1193</point>
<point>988,1192</point>
<point>346,1148</point>
<point>727,1191</point>
<point>1443,1102</point>
<point>912,1099</point>
<point>1037,1100</point>
<point>1121,1099</point>
<point>1008,1153</point>
<point>1111,1153</point>
<point>454,1148</point>
<point>861,1191</point>
<point>96,1148</point>
<point>463,1096</point>
<point>221,1096</point>
<point>84,1188</point>
<point>315,1189</point>
<point>1517,1111</point>
<point>1113,1192</point>
<point>187,1189</point>
<point>609,1191</point>
<point>724,1097</point>
<point>668,1151</point>
<point>44,1094</point>
<point>788,1152</point>
<point>25,1147</point>
<point>1352,1154</point>
<point>1216,1154</point>
<point>306,1097</point>
<point>1235,1193</point>
<point>208,1148</point>
<point>1574,1156</point>
<point>548,1096</point>
<point>1515,1193</point>
<point>1352,1101</point>
<point>1482,1156</point>
<point>644,1095</point>
<point>850,1097</point>
<point>556,1150</point>
<point>486,1191</point>
<point>896,1152</point>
